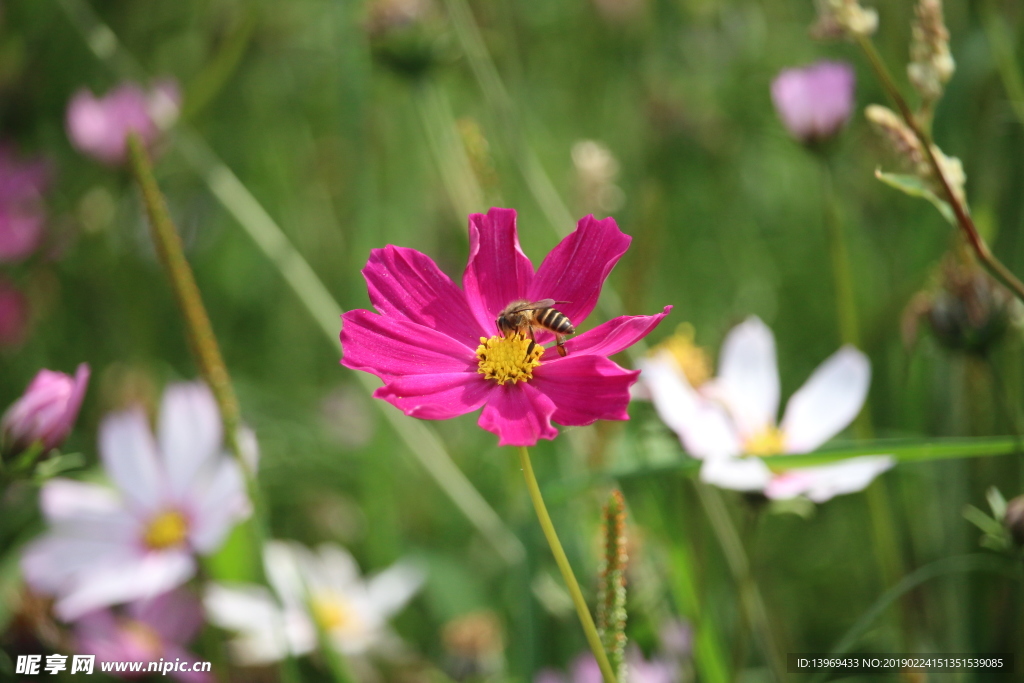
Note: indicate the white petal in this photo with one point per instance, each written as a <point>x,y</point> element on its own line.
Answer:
<point>63,499</point>
<point>704,428</point>
<point>822,483</point>
<point>217,504</point>
<point>393,587</point>
<point>828,401</point>
<point>189,432</point>
<point>281,561</point>
<point>130,458</point>
<point>738,474</point>
<point>252,613</point>
<point>333,568</point>
<point>141,577</point>
<point>748,376</point>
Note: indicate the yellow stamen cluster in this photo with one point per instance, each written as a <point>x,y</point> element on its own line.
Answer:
<point>769,441</point>
<point>694,361</point>
<point>166,530</point>
<point>507,359</point>
<point>332,613</point>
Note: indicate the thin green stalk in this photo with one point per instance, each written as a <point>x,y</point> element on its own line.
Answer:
<point>842,273</point>
<point>586,620</point>
<point>1001,43</point>
<point>739,566</point>
<point>199,332</point>
<point>963,217</point>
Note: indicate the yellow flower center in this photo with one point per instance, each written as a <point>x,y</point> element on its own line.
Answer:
<point>768,441</point>
<point>331,613</point>
<point>505,359</point>
<point>693,361</point>
<point>166,530</point>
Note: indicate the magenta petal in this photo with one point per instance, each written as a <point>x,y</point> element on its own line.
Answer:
<point>519,415</point>
<point>615,335</point>
<point>176,615</point>
<point>405,283</point>
<point>498,271</point>
<point>436,397</point>
<point>575,269</point>
<point>585,389</point>
<point>388,347</point>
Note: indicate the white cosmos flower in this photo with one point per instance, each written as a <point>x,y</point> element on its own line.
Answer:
<point>174,497</point>
<point>321,588</point>
<point>734,415</point>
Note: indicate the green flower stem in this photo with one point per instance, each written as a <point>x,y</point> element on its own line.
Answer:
<point>586,620</point>
<point>846,304</point>
<point>963,217</point>
<point>186,292</point>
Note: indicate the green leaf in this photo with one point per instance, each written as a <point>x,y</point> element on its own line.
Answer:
<point>997,503</point>
<point>58,464</point>
<point>982,521</point>
<point>915,187</point>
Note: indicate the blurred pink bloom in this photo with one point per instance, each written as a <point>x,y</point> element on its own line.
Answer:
<point>22,214</point>
<point>175,496</point>
<point>99,127</point>
<point>734,415</point>
<point>816,101</point>
<point>145,631</point>
<point>433,342</point>
<point>14,316</point>
<point>46,412</point>
<point>639,670</point>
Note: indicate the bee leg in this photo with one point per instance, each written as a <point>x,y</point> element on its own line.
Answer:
<point>560,341</point>
<point>533,344</point>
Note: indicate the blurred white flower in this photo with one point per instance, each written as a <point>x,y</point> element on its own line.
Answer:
<point>734,415</point>
<point>174,497</point>
<point>322,588</point>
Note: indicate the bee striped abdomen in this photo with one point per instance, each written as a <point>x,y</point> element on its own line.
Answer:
<point>555,321</point>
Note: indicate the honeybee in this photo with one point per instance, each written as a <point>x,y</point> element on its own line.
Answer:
<point>522,316</point>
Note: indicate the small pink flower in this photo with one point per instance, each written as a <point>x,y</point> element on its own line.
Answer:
<point>14,316</point>
<point>814,102</point>
<point>439,352</point>
<point>100,126</point>
<point>733,416</point>
<point>46,412</point>
<point>176,496</point>
<point>22,214</point>
<point>145,631</point>
<point>585,670</point>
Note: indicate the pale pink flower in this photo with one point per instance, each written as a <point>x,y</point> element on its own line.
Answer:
<point>439,352</point>
<point>46,412</point>
<point>14,315</point>
<point>22,214</point>
<point>638,670</point>
<point>145,631</point>
<point>99,126</point>
<point>314,589</point>
<point>814,102</point>
<point>734,416</point>
<point>175,496</point>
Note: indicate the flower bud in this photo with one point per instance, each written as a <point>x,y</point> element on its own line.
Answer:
<point>815,102</point>
<point>99,126</point>
<point>1013,520</point>
<point>46,412</point>
<point>931,64</point>
<point>844,19</point>
<point>405,35</point>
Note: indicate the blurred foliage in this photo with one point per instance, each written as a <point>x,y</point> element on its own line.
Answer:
<point>318,106</point>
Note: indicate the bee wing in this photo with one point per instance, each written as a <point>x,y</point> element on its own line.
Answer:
<point>536,305</point>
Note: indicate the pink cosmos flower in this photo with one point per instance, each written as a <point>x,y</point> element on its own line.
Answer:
<point>176,496</point>
<point>145,631</point>
<point>22,215</point>
<point>14,315</point>
<point>734,415</point>
<point>46,412</point>
<point>99,126</point>
<point>438,350</point>
<point>816,101</point>
<point>585,670</point>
